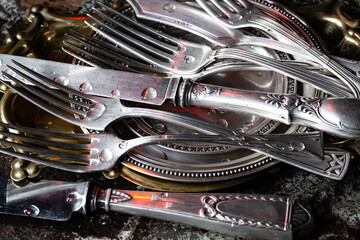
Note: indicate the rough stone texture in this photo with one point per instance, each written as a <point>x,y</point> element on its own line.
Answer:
<point>334,204</point>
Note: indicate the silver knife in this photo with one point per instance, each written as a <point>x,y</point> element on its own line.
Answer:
<point>337,116</point>
<point>249,216</point>
<point>180,15</point>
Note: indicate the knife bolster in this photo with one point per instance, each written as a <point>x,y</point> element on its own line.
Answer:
<point>184,88</point>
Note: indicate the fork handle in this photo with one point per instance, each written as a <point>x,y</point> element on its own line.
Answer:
<point>347,77</point>
<point>249,216</point>
<point>337,116</point>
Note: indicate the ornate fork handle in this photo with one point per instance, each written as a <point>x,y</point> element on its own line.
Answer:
<point>101,151</point>
<point>304,151</point>
<point>337,116</point>
<point>352,81</point>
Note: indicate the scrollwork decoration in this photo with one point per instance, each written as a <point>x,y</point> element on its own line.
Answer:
<point>210,210</point>
<point>205,90</point>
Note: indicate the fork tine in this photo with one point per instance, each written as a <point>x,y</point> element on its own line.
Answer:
<point>82,58</point>
<point>54,83</point>
<point>138,35</point>
<point>111,52</point>
<point>203,4</point>
<point>141,26</point>
<point>234,6</point>
<point>45,151</point>
<point>45,142</point>
<point>48,90</point>
<point>45,97</point>
<point>54,164</point>
<point>44,133</point>
<point>149,44</point>
<point>97,42</point>
<point>136,52</point>
<point>223,10</point>
<point>102,59</point>
<point>41,104</point>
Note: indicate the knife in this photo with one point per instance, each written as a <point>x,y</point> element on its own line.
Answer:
<point>180,15</point>
<point>249,216</point>
<point>337,116</point>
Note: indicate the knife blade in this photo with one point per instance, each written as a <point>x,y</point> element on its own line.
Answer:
<point>336,116</point>
<point>100,82</point>
<point>246,215</point>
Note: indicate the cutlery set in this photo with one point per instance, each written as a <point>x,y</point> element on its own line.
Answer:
<point>151,63</point>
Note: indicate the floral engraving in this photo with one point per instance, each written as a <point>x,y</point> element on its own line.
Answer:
<point>204,90</point>
<point>289,102</point>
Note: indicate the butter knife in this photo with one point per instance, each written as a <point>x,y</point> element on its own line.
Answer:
<point>249,216</point>
<point>337,116</point>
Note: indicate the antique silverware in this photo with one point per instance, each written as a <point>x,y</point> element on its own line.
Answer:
<point>176,162</point>
<point>180,15</point>
<point>250,216</point>
<point>84,153</point>
<point>337,116</point>
<point>101,54</point>
<point>183,57</point>
<point>97,113</point>
<point>243,14</point>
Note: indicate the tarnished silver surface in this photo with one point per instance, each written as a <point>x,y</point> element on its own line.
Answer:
<point>101,151</point>
<point>213,163</point>
<point>181,57</point>
<point>227,213</point>
<point>243,14</point>
<point>181,16</point>
<point>337,199</point>
<point>336,116</point>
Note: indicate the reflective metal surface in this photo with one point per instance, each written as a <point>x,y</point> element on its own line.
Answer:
<point>227,213</point>
<point>185,157</point>
<point>324,196</point>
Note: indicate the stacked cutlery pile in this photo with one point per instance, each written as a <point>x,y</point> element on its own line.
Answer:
<point>189,92</point>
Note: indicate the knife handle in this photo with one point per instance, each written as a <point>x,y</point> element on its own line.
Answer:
<point>249,216</point>
<point>337,116</point>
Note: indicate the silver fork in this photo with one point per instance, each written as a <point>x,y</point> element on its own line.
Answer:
<point>90,111</point>
<point>97,113</point>
<point>101,54</point>
<point>183,57</point>
<point>337,116</point>
<point>83,153</point>
<point>243,14</point>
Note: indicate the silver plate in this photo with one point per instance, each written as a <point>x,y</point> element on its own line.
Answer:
<point>206,163</point>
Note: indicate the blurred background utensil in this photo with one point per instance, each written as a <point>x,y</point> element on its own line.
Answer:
<point>243,14</point>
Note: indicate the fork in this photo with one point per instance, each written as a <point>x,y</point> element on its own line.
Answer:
<point>98,112</point>
<point>90,111</point>
<point>337,116</point>
<point>101,54</point>
<point>183,57</point>
<point>84,153</point>
<point>243,14</point>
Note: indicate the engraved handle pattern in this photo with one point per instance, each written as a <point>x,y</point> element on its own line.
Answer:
<point>337,116</point>
<point>349,79</point>
<point>244,215</point>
